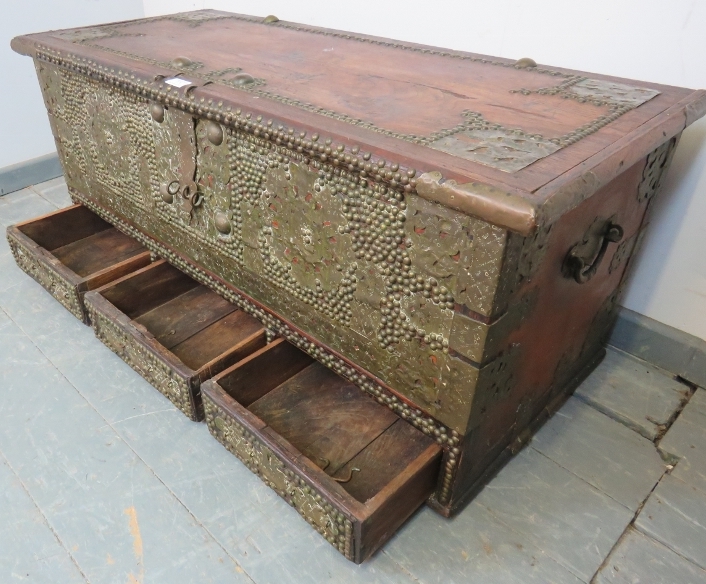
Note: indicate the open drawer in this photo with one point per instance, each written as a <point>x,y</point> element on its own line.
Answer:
<point>349,466</point>
<point>172,330</point>
<point>71,251</point>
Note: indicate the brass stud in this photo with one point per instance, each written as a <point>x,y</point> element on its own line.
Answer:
<point>214,133</point>
<point>157,111</point>
<point>243,79</point>
<point>182,62</point>
<point>525,63</point>
<point>270,19</point>
<point>222,223</point>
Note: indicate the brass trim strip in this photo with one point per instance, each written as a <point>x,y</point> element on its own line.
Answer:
<point>480,200</point>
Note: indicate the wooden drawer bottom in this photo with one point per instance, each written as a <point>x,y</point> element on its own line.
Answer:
<point>172,330</point>
<point>71,251</point>
<point>348,465</point>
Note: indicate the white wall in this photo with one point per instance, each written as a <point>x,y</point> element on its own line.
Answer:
<point>24,128</point>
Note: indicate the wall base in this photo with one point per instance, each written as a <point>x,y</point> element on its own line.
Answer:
<point>661,345</point>
<point>30,172</point>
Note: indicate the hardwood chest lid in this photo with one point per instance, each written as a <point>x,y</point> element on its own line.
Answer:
<point>513,142</point>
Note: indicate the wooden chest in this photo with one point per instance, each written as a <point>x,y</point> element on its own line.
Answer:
<point>447,231</point>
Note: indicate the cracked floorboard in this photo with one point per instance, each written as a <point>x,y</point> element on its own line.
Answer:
<point>102,480</point>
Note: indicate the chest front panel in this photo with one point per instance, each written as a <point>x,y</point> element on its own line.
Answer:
<point>372,272</point>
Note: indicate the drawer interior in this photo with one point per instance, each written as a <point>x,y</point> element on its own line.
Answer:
<point>194,323</point>
<point>359,443</point>
<point>81,240</point>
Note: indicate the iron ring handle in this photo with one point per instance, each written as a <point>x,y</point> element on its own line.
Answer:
<point>576,266</point>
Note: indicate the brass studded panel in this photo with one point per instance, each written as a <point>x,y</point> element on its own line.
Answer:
<point>368,269</point>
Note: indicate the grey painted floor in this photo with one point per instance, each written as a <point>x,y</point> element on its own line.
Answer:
<point>102,480</point>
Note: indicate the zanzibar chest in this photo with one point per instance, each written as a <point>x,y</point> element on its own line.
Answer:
<point>436,239</point>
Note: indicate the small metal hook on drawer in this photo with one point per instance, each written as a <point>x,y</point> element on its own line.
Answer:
<point>349,477</point>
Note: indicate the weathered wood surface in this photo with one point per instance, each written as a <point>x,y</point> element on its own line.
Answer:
<point>648,401</point>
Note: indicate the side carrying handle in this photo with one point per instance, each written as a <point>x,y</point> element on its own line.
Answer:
<point>578,267</point>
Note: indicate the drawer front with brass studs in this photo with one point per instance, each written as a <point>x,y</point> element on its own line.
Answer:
<point>348,465</point>
<point>71,251</point>
<point>173,331</point>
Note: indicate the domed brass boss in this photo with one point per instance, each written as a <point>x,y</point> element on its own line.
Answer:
<point>222,223</point>
<point>525,63</point>
<point>157,111</point>
<point>270,19</point>
<point>243,79</point>
<point>214,133</point>
<point>182,62</point>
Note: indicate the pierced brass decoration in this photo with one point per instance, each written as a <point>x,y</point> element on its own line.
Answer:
<point>624,251</point>
<point>499,148</point>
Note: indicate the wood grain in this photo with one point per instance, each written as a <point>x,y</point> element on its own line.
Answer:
<point>262,371</point>
<point>324,416</point>
<point>98,251</point>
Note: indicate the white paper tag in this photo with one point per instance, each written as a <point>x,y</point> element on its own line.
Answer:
<point>177,82</point>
